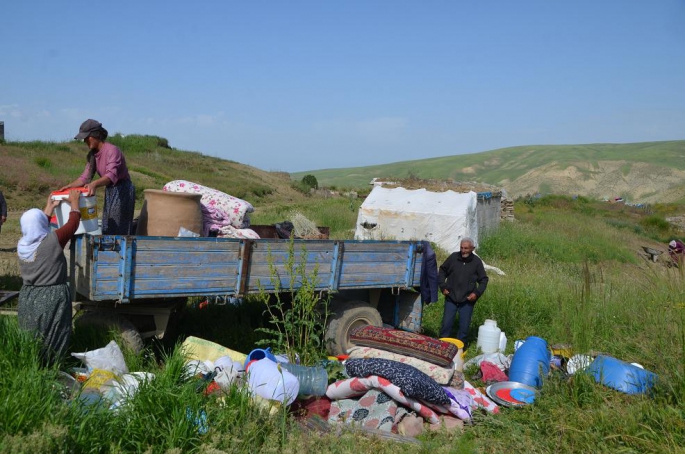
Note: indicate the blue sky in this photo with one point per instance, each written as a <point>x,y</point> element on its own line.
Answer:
<point>305,85</point>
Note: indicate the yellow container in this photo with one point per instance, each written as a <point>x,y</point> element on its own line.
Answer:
<point>459,359</point>
<point>451,340</point>
<point>563,350</point>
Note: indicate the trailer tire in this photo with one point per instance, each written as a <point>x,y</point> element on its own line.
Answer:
<point>113,322</point>
<point>346,317</point>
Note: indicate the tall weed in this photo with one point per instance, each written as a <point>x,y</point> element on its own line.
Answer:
<point>297,314</point>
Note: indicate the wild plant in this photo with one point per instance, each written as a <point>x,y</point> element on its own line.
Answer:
<point>297,314</point>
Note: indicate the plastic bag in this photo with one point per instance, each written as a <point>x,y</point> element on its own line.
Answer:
<point>195,368</point>
<point>498,359</point>
<point>108,358</point>
<point>119,391</point>
<point>183,232</point>
<point>229,372</point>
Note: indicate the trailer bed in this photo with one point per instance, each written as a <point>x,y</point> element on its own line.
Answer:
<point>126,268</point>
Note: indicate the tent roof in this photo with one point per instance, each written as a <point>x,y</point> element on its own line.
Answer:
<point>418,200</point>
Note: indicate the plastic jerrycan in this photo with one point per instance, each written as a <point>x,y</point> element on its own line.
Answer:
<point>87,206</point>
<point>488,337</point>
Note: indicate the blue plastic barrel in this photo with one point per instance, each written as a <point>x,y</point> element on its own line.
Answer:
<point>530,363</point>
<point>621,376</point>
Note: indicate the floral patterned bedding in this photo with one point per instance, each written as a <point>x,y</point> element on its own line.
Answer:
<point>221,212</point>
<point>442,375</point>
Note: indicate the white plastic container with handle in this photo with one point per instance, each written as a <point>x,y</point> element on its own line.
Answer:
<point>488,337</point>
<point>87,206</point>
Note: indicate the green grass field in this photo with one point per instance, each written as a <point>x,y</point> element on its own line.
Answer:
<point>575,274</point>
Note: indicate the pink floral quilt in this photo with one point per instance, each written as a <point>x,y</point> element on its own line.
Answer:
<point>222,212</point>
<point>356,387</point>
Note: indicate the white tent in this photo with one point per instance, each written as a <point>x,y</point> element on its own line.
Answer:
<point>401,214</point>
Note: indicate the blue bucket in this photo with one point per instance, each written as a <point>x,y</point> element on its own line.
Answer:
<point>530,363</point>
<point>621,376</point>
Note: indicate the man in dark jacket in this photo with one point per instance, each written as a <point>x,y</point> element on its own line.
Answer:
<point>462,280</point>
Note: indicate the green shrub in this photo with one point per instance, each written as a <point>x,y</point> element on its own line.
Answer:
<point>657,222</point>
<point>300,187</point>
<point>137,143</point>
<point>310,181</point>
<point>43,162</point>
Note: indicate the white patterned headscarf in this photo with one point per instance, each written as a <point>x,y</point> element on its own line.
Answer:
<point>34,227</point>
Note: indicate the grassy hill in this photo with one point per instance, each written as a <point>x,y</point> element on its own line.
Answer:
<point>31,170</point>
<point>640,172</point>
<point>646,172</point>
<point>576,274</point>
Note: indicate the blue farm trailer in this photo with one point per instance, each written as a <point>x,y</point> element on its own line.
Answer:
<point>136,283</point>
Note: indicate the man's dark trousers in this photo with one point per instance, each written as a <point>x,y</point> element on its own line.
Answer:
<point>465,310</point>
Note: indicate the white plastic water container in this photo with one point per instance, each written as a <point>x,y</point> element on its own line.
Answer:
<point>266,379</point>
<point>87,206</point>
<point>488,337</point>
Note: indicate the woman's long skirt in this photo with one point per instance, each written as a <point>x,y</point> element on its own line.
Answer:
<point>120,204</point>
<point>46,312</point>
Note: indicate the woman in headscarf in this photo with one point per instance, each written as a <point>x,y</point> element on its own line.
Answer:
<point>676,249</point>
<point>108,161</point>
<point>44,299</point>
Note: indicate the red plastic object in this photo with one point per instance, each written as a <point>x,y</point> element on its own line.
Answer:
<point>505,395</point>
<point>83,190</point>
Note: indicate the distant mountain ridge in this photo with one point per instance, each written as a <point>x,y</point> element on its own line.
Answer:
<point>646,172</point>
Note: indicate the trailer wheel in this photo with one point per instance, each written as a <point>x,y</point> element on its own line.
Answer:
<point>346,317</point>
<point>113,322</point>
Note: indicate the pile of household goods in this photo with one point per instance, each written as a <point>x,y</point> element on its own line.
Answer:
<point>515,381</point>
<point>105,380</point>
<point>391,381</point>
<point>184,208</point>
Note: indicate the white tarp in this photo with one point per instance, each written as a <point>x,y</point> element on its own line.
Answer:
<point>402,214</point>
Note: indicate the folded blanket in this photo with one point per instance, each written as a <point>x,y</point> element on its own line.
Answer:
<point>480,399</point>
<point>405,343</point>
<point>355,387</point>
<point>374,410</point>
<point>442,375</point>
<point>460,405</point>
<point>409,379</point>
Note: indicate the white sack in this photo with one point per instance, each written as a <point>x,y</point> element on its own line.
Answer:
<point>107,358</point>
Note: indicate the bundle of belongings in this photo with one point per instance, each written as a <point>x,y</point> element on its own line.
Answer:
<point>394,386</point>
<point>393,372</point>
<point>222,214</point>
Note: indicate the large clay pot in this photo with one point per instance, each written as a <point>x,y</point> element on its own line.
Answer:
<point>164,213</point>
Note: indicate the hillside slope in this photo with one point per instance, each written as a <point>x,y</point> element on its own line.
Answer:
<point>641,172</point>
<point>31,170</point>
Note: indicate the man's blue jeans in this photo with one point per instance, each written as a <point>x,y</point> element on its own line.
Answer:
<point>465,310</point>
